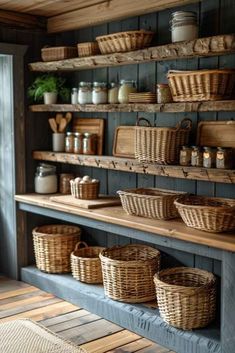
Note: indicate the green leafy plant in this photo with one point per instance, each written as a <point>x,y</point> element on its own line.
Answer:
<point>48,83</point>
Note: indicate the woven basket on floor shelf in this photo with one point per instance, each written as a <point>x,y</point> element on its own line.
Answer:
<point>124,41</point>
<point>160,144</point>
<point>86,191</point>
<point>58,53</point>
<point>186,297</point>
<point>207,213</point>
<point>128,272</point>
<point>85,263</point>
<point>201,85</point>
<point>150,202</point>
<point>88,49</point>
<point>53,245</point>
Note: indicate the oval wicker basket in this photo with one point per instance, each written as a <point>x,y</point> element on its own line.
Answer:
<point>88,49</point>
<point>201,85</point>
<point>85,263</point>
<point>124,41</point>
<point>207,213</point>
<point>86,191</point>
<point>186,297</point>
<point>128,272</point>
<point>53,245</point>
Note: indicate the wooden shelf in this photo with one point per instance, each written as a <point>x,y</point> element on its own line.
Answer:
<point>210,106</point>
<point>210,46</point>
<point>133,166</point>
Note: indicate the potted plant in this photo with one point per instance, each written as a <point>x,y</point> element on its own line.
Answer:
<point>48,87</point>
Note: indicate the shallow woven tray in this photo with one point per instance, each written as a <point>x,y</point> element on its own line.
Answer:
<point>207,213</point>
<point>128,272</point>
<point>186,297</point>
<point>201,85</point>
<point>58,53</point>
<point>142,97</point>
<point>85,263</point>
<point>87,49</point>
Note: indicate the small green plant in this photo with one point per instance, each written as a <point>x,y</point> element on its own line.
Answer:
<point>48,83</point>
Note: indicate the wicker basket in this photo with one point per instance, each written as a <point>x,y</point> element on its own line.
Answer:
<point>85,263</point>
<point>150,202</point>
<point>53,245</point>
<point>128,272</point>
<point>88,49</point>
<point>160,144</point>
<point>86,191</point>
<point>124,41</point>
<point>207,213</point>
<point>58,53</point>
<point>186,297</point>
<point>201,85</point>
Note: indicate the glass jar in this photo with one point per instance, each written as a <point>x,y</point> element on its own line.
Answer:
<point>69,142</point>
<point>89,143</point>
<point>85,93</point>
<point>224,158</point>
<point>113,93</point>
<point>196,157</point>
<point>185,155</point>
<point>99,93</point>
<point>163,93</point>
<point>78,143</point>
<point>209,157</point>
<point>74,96</point>
<point>183,26</point>
<point>45,181</point>
<point>125,88</point>
<point>65,183</point>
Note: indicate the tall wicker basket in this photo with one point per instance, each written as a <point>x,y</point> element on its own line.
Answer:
<point>53,245</point>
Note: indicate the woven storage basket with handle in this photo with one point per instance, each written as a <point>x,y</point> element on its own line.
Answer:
<point>128,272</point>
<point>53,245</point>
<point>160,144</point>
<point>186,297</point>
<point>85,263</point>
<point>207,213</point>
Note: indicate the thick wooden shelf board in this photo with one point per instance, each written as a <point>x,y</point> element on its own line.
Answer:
<point>132,165</point>
<point>210,46</point>
<point>115,215</point>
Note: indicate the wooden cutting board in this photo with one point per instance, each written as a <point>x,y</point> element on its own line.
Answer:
<point>124,142</point>
<point>94,126</point>
<point>102,201</point>
<point>216,133</point>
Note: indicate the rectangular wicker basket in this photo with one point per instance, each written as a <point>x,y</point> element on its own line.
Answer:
<point>58,53</point>
<point>88,49</point>
<point>86,191</point>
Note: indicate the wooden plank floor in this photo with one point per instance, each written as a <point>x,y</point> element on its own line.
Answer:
<point>96,335</point>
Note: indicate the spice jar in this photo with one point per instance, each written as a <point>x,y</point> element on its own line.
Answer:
<point>113,93</point>
<point>45,181</point>
<point>74,96</point>
<point>183,26</point>
<point>65,183</point>
<point>78,143</point>
<point>69,142</point>
<point>185,155</point>
<point>163,93</point>
<point>209,157</point>
<point>85,93</point>
<point>196,157</point>
<point>99,93</point>
<point>89,143</point>
<point>224,158</point>
<point>125,88</point>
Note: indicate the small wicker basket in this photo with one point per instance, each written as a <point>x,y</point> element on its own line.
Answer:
<point>58,53</point>
<point>124,41</point>
<point>88,49</point>
<point>128,272</point>
<point>150,202</point>
<point>201,85</point>
<point>207,213</point>
<point>86,191</point>
<point>85,263</point>
<point>53,245</point>
<point>186,297</point>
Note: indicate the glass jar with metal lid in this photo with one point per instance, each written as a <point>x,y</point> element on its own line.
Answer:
<point>65,183</point>
<point>45,181</point>
<point>163,93</point>
<point>78,143</point>
<point>85,93</point>
<point>99,93</point>
<point>89,143</point>
<point>69,142</point>
<point>185,155</point>
<point>224,158</point>
<point>113,93</point>
<point>183,26</point>
<point>125,88</point>
<point>196,157</point>
<point>209,157</point>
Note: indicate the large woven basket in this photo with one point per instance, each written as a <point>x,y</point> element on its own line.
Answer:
<point>124,41</point>
<point>87,49</point>
<point>186,297</point>
<point>150,202</point>
<point>53,245</point>
<point>160,144</point>
<point>128,272</point>
<point>207,213</point>
<point>58,53</point>
<point>201,85</point>
<point>85,263</point>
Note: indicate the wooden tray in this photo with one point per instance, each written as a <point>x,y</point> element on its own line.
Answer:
<point>216,133</point>
<point>102,201</point>
<point>124,142</point>
<point>94,126</point>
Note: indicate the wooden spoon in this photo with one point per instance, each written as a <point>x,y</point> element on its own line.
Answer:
<point>68,117</point>
<point>58,118</point>
<point>53,125</point>
<point>62,125</point>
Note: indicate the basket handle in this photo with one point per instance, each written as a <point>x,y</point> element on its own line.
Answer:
<point>185,124</point>
<point>138,120</point>
<point>80,244</point>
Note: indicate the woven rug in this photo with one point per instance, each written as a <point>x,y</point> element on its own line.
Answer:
<point>26,336</point>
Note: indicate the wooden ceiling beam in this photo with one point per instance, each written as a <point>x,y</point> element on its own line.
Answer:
<point>107,11</point>
<point>16,19</point>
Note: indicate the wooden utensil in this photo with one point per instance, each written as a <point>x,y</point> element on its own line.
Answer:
<point>58,118</point>
<point>62,125</point>
<point>53,125</point>
<point>68,117</point>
